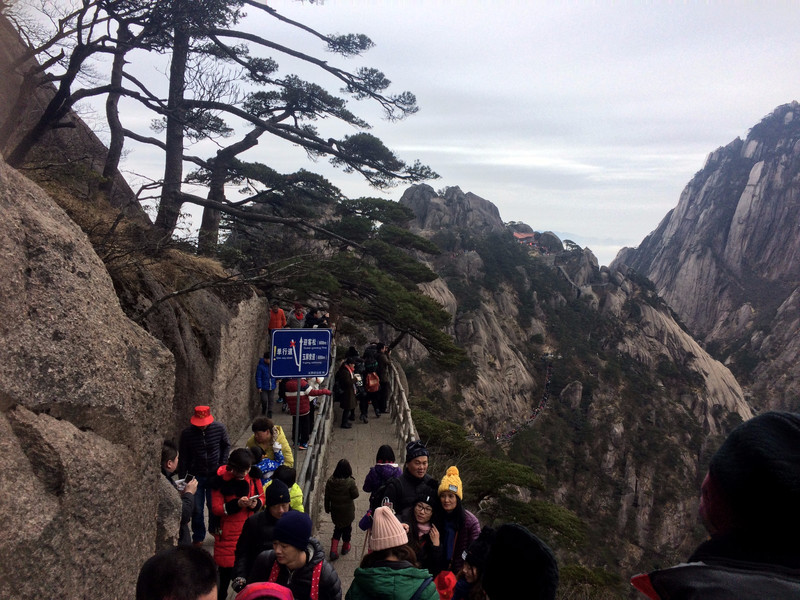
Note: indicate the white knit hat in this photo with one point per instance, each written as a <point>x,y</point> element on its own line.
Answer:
<point>387,532</point>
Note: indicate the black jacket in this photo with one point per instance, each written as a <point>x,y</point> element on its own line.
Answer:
<point>256,537</point>
<point>404,490</point>
<point>299,581</point>
<point>203,451</point>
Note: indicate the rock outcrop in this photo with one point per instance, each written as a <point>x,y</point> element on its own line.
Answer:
<point>634,401</point>
<point>85,396</point>
<point>727,258</point>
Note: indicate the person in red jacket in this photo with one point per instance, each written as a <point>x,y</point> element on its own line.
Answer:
<point>236,493</point>
<point>301,436</point>
<point>277,318</point>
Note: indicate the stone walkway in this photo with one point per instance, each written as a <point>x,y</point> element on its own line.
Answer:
<point>358,445</point>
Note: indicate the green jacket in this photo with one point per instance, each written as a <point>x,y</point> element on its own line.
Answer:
<point>387,583</point>
<point>339,500</point>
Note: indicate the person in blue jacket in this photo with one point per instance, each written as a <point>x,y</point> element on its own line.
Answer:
<point>266,385</point>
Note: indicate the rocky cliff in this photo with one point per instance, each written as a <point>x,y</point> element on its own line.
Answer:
<point>85,396</point>
<point>726,258</point>
<point>103,357</point>
<point>633,403</point>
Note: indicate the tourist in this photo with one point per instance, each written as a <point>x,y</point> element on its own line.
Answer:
<point>266,385</point>
<point>340,495</point>
<point>457,526</point>
<point>169,464</point>
<point>518,560</point>
<point>389,571</point>
<point>749,503</point>
<point>423,536</point>
<point>203,448</point>
<point>403,491</point>
<point>265,435</point>
<point>258,532</point>
<point>236,493</point>
<point>181,573</point>
<point>297,560</point>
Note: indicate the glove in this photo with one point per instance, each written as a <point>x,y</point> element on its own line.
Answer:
<point>238,584</point>
<point>276,446</point>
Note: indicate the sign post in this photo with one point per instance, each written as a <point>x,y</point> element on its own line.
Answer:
<point>299,353</point>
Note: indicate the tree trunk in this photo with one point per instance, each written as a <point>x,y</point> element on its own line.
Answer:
<point>56,109</point>
<point>170,207</point>
<point>208,237</point>
<point>112,115</point>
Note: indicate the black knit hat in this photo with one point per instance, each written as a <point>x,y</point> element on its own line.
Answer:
<point>276,493</point>
<point>478,551</point>
<point>415,450</point>
<point>757,471</point>
<point>518,560</point>
<point>293,528</point>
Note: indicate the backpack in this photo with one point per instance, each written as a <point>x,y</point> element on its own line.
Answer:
<point>372,383</point>
<point>376,498</point>
<point>315,576</point>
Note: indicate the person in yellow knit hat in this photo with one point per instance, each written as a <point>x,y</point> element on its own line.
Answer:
<point>457,526</point>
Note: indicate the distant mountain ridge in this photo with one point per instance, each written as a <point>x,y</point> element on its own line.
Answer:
<point>635,403</point>
<point>727,257</point>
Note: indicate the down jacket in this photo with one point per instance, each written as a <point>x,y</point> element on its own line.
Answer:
<point>299,581</point>
<point>225,493</point>
<point>256,537</point>
<point>202,451</point>
<point>340,494</point>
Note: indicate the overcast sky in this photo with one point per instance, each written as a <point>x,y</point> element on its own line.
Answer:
<point>583,118</point>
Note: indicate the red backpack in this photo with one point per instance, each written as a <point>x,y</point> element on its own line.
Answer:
<point>276,569</point>
<point>372,383</point>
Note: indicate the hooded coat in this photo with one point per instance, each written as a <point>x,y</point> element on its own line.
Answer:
<point>226,490</point>
<point>340,494</point>
<point>393,580</point>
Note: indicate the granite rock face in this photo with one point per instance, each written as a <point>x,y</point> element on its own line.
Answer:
<point>85,396</point>
<point>647,399</point>
<point>727,257</point>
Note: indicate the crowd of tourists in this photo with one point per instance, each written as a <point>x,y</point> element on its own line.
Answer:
<point>422,542</point>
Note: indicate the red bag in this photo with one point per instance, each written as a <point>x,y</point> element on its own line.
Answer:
<point>372,383</point>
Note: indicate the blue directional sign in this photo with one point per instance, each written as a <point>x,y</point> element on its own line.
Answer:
<point>300,353</point>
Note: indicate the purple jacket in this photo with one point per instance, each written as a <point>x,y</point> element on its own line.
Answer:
<point>380,474</point>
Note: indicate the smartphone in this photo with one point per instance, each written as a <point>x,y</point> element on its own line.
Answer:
<point>252,497</point>
<point>188,478</point>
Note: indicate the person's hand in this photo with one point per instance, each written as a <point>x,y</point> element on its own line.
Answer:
<point>276,446</point>
<point>434,534</point>
<point>191,487</point>
<point>251,504</point>
<point>405,526</point>
<point>244,502</point>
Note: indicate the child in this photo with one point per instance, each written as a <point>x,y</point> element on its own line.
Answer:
<point>265,465</point>
<point>340,495</point>
<point>384,470</point>
<point>288,475</point>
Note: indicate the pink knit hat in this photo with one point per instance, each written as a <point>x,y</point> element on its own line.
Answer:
<point>387,532</point>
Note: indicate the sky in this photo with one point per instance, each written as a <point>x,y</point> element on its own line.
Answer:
<point>582,118</point>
